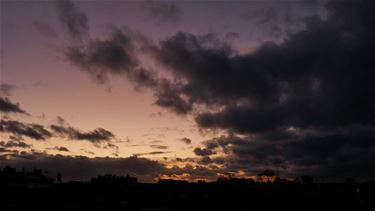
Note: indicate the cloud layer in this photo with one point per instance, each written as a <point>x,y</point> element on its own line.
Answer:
<point>84,168</point>
<point>303,105</point>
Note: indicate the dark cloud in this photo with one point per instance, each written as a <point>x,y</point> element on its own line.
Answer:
<point>242,119</point>
<point>332,90</point>
<point>213,73</point>
<point>111,56</point>
<point>318,79</point>
<point>158,146</point>
<point>112,146</point>
<point>4,151</point>
<point>61,149</point>
<point>96,136</point>
<point>167,97</point>
<point>73,19</point>
<point>272,87</point>
<point>186,140</point>
<point>6,89</point>
<point>151,153</point>
<point>7,106</point>
<point>88,152</point>
<point>118,55</point>
<point>34,131</point>
<point>203,152</point>
<point>274,20</point>
<point>345,153</point>
<point>216,160</point>
<point>15,142</point>
<point>45,29</point>
<point>84,168</point>
<point>99,137</point>
<point>315,67</point>
<point>161,11</point>
<point>60,120</point>
<point>205,160</point>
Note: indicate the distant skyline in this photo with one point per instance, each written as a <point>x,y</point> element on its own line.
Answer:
<point>188,89</point>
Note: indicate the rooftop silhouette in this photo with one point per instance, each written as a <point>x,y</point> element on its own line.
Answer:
<point>36,190</point>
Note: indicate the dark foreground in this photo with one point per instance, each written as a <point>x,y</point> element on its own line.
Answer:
<point>235,195</point>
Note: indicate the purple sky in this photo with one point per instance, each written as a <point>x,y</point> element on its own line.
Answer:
<point>161,81</point>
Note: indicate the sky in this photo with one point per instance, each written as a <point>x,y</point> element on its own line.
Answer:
<point>188,89</point>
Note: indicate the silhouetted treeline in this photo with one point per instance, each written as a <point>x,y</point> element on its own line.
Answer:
<point>110,192</point>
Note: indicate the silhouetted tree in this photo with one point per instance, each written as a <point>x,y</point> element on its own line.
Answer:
<point>58,177</point>
<point>307,180</point>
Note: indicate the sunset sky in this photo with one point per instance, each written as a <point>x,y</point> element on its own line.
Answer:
<point>188,89</point>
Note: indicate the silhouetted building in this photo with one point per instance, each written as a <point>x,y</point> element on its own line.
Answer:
<point>307,180</point>
<point>58,177</point>
<point>350,180</point>
<point>233,180</point>
<point>172,182</point>
<point>115,180</point>
<point>9,170</point>
<point>111,192</point>
<point>9,176</point>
